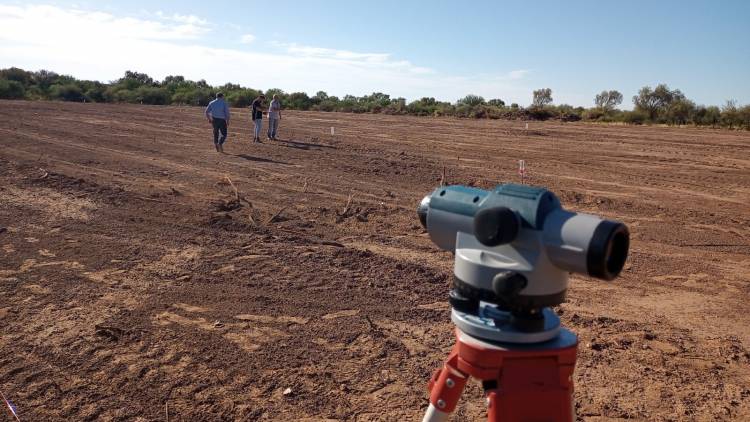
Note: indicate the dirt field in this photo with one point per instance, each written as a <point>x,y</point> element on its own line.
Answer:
<point>133,288</point>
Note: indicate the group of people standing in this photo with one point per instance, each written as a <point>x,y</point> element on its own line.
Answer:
<point>218,115</point>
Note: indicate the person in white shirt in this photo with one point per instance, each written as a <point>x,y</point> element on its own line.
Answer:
<point>274,115</point>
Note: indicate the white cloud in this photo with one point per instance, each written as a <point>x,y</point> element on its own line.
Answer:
<point>369,60</point>
<point>96,45</point>
<point>189,19</point>
<point>43,25</point>
<point>247,38</point>
<point>329,53</point>
<point>518,74</point>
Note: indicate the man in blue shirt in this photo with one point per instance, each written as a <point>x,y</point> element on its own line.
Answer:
<point>217,113</point>
<point>257,115</point>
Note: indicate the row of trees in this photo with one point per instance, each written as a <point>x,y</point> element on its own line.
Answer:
<point>660,105</point>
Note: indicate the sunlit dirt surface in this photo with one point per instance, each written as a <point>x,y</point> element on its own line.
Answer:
<point>135,286</point>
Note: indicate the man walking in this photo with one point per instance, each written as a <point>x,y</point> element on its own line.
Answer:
<point>257,115</point>
<point>217,113</point>
<point>274,115</point>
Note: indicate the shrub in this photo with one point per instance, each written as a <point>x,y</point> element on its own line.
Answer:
<point>635,117</point>
<point>95,94</point>
<point>298,101</point>
<point>152,95</point>
<point>730,115</point>
<point>115,94</point>
<point>15,74</point>
<point>325,105</point>
<point>242,98</point>
<point>593,114</point>
<point>744,114</point>
<point>197,96</point>
<point>471,100</point>
<point>67,92</point>
<point>11,90</point>
<point>570,116</point>
<point>539,113</point>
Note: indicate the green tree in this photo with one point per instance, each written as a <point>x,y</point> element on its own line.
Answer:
<point>152,95</point>
<point>375,100</point>
<point>11,90</point>
<point>298,101</point>
<point>200,96</point>
<point>744,115</point>
<point>92,90</point>
<point>242,98</point>
<point>680,111</point>
<point>67,92</point>
<point>713,116</point>
<point>276,91</point>
<point>656,102</point>
<point>635,117</point>
<point>730,115</point>
<point>426,106</point>
<point>496,102</point>
<point>608,100</point>
<point>138,78</point>
<point>15,74</point>
<point>471,100</point>
<point>542,97</point>
<point>44,79</point>
<point>96,94</point>
<point>396,106</point>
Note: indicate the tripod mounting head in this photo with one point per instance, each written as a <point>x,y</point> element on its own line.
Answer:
<point>514,247</point>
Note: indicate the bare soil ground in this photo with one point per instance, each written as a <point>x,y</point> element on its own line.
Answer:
<point>134,287</point>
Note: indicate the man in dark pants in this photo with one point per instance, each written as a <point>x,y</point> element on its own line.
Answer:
<point>256,114</point>
<point>217,113</point>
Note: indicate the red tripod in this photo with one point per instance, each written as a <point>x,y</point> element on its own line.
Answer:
<point>524,383</point>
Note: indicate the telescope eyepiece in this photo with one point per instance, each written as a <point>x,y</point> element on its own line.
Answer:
<point>496,226</point>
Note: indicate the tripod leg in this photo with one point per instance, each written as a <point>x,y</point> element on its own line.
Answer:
<point>446,387</point>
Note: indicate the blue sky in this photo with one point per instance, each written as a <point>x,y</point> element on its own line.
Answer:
<point>444,49</point>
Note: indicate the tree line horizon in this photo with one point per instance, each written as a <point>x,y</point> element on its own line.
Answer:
<point>658,105</point>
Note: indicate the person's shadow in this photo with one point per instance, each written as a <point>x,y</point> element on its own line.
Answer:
<point>261,160</point>
<point>291,143</point>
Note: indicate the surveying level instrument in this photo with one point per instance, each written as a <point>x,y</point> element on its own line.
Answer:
<point>514,248</point>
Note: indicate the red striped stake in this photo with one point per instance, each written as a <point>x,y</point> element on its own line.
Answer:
<point>522,170</point>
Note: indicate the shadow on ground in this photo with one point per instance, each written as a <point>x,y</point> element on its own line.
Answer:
<point>261,160</point>
<point>291,143</point>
